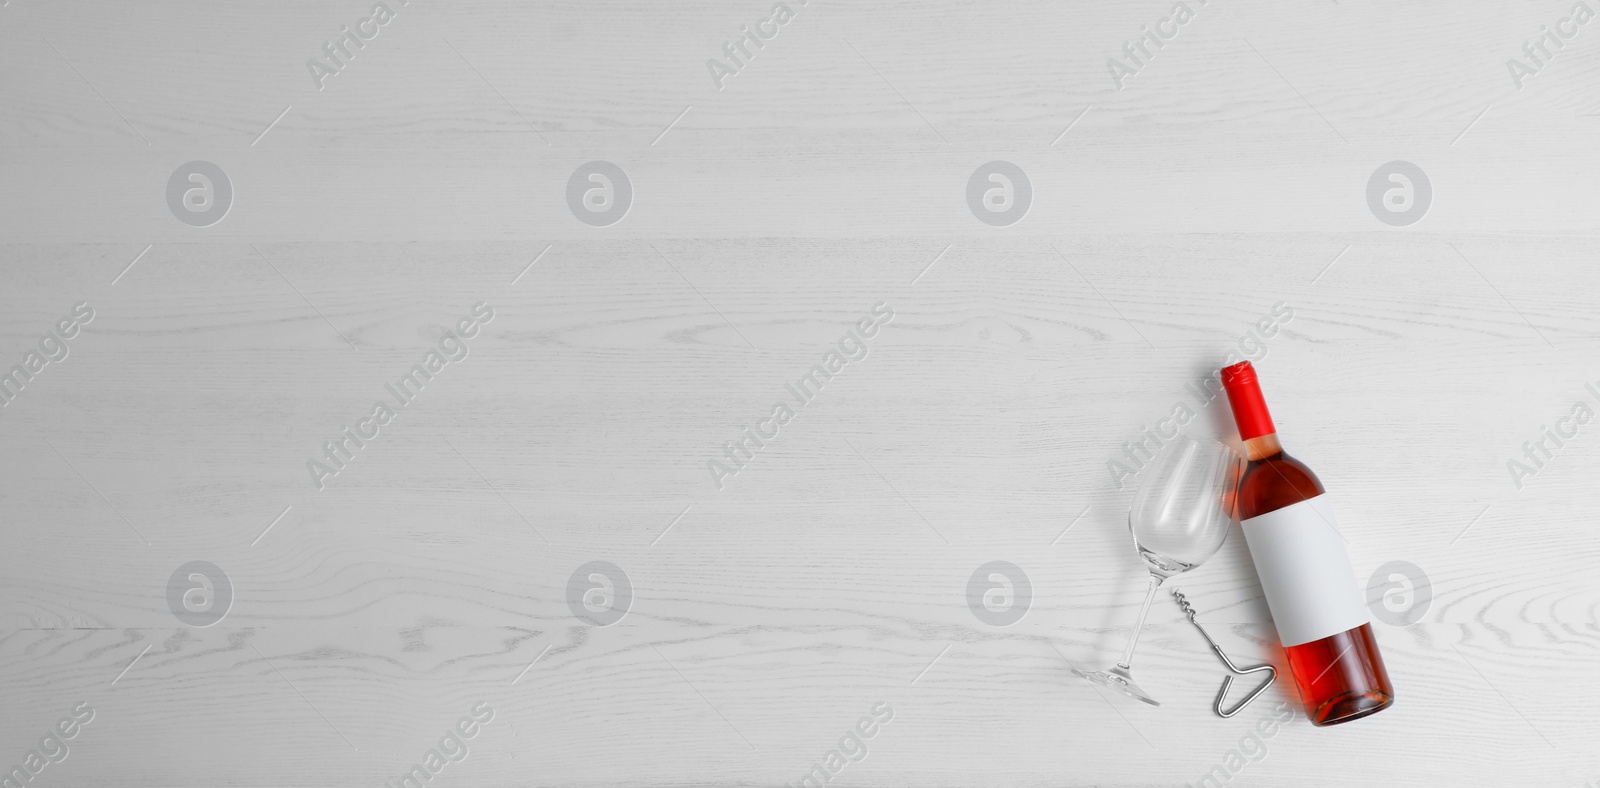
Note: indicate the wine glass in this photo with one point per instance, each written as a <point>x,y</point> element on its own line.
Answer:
<point>1179,518</point>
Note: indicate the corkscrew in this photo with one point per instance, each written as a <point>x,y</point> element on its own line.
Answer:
<point>1227,681</point>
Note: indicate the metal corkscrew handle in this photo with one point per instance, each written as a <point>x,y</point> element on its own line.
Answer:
<point>1272,672</point>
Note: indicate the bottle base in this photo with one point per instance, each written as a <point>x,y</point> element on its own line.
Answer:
<point>1349,707</point>
<point>1341,677</point>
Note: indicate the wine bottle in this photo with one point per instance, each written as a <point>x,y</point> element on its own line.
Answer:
<point>1304,569</point>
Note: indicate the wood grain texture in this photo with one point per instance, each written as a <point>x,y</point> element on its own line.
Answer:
<point>1225,180</point>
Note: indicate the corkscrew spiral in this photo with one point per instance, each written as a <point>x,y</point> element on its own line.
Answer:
<point>1183,602</point>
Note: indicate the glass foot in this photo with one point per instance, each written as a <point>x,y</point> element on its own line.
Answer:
<point>1120,680</point>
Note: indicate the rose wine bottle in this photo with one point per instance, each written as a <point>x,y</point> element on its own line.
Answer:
<point>1305,572</point>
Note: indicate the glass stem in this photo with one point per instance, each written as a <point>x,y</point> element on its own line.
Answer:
<point>1133,640</point>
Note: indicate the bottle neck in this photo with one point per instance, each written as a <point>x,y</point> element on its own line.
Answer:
<point>1250,413</point>
<point>1262,446</point>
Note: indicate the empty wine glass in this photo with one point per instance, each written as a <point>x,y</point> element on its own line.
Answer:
<point>1179,518</point>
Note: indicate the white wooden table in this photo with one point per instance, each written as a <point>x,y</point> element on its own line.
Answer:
<point>828,578</point>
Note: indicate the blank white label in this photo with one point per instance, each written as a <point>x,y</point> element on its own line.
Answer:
<point>1305,571</point>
